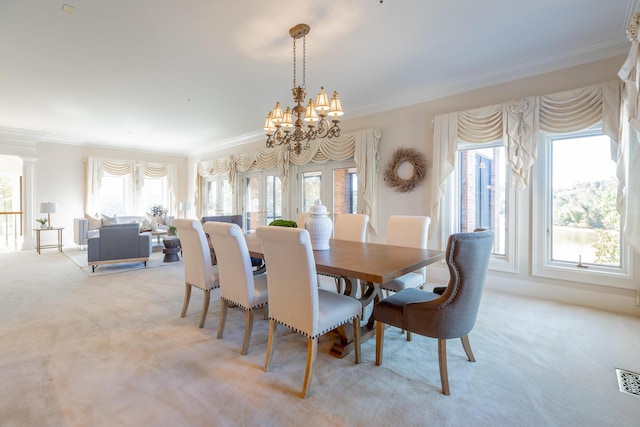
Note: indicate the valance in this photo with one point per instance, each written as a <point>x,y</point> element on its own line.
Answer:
<point>364,143</point>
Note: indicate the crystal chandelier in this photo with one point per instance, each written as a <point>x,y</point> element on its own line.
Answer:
<point>279,124</point>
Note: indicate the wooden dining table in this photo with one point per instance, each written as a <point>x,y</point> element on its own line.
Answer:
<point>371,264</point>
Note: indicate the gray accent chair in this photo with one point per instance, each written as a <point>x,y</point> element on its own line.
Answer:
<point>119,243</point>
<point>450,315</point>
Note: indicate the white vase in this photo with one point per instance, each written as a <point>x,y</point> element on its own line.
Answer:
<point>154,224</point>
<point>319,226</point>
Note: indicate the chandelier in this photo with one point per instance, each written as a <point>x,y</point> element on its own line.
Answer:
<point>280,125</point>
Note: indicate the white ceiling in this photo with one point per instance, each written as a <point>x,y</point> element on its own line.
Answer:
<point>188,77</point>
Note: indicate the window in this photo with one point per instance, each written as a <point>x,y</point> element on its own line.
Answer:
<point>577,225</point>
<point>334,183</point>
<point>262,198</point>
<point>154,193</point>
<point>218,196</point>
<point>479,194</point>
<point>113,193</point>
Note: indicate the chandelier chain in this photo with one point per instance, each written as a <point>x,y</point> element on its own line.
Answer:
<point>304,62</point>
<point>294,62</point>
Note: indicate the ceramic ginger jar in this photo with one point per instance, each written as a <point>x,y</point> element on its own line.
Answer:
<point>319,226</point>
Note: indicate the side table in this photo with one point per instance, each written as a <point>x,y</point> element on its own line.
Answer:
<point>171,249</point>
<point>40,246</point>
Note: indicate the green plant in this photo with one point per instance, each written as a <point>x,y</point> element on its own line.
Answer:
<point>42,221</point>
<point>173,231</point>
<point>283,223</point>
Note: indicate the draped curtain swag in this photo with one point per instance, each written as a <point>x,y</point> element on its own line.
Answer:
<point>518,123</point>
<point>96,168</point>
<point>361,145</point>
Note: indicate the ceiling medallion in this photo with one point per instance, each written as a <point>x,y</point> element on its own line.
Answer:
<point>280,127</point>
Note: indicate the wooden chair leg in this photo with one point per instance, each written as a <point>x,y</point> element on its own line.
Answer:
<point>379,342</point>
<point>467,348</point>
<point>248,328</point>
<point>187,297</point>
<point>356,338</point>
<point>266,311</point>
<point>273,326</point>
<point>312,352</point>
<point>223,318</point>
<point>442,358</point>
<point>205,308</point>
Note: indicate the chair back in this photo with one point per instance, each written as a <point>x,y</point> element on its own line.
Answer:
<point>410,231</point>
<point>302,218</point>
<point>234,262</point>
<point>197,257</point>
<point>453,315</point>
<point>351,227</point>
<point>292,280</point>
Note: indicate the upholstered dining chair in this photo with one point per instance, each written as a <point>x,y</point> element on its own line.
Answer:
<point>238,285</point>
<point>198,270</point>
<point>450,315</point>
<point>295,300</point>
<point>350,227</point>
<point>302,218</point>
<point>409,231</point>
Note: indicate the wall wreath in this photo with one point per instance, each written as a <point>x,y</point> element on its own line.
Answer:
<point>401,155</point>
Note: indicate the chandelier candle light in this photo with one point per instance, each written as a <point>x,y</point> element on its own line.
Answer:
<point>280,127</point>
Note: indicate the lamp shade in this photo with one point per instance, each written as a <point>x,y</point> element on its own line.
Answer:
<point>48,207</point>
<point>185,206</point>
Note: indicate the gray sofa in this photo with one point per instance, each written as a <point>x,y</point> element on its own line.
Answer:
<point>119,243</point>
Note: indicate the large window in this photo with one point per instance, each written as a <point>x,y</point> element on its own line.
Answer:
<point>116,195</point>
<point>479,195</point>
<point>575,209</point>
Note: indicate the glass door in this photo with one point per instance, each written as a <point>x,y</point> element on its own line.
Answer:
<point>262,198</point>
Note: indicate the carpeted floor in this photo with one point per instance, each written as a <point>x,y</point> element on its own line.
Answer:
<point>112,350</point>
<point>79,257</point>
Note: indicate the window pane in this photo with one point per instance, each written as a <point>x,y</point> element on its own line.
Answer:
<point>112,193</point>
<point>586,224</point>
<point>212,197</point>
<point>274,198</point>
<point>153,193</point>
<point>311,189</point>
<point>253,203</point>
<point>227,198</point>
<point>345,191</point>
<point>482,192</point>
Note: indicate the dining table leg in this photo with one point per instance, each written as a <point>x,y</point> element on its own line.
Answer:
<point>371,295</point>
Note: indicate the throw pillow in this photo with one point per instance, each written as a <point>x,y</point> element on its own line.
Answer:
<point>93,222</point>
<point>108,220</point>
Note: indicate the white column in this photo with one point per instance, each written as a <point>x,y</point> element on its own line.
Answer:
<point>28,198</point>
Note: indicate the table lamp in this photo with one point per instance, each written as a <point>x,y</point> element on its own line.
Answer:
<point>185,206</point>
<point>48,208</point>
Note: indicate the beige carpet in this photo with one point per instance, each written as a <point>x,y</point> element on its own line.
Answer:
<point>112,351</point>
<point>79,257</point>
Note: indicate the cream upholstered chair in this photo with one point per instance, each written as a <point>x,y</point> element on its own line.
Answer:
<point>302,218</point>
<point>409,231</point>
<point>198,270</point>
<point>351,227</point>
<point>450,315</point>
<point>238,285</point>
<point>294,298</point>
